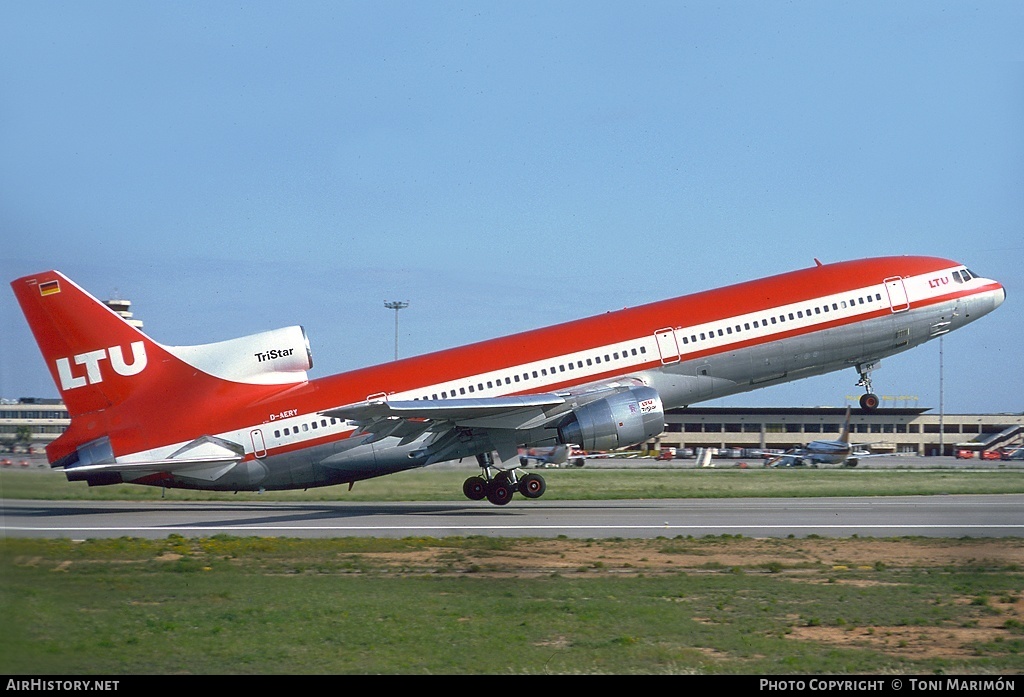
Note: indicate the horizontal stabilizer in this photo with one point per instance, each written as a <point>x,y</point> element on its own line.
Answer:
<point>170,465</point>
<point>206,457</point>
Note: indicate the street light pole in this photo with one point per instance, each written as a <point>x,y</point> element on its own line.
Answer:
<point>942,409</point>
<point>396,305</point>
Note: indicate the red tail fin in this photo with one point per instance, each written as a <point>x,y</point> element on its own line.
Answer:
<point>95,358</point>
<point>121,386</point>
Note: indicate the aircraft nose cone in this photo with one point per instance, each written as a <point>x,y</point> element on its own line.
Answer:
<point>999,297</point>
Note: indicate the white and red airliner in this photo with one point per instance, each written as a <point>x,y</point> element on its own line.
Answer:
<point>242,414</point>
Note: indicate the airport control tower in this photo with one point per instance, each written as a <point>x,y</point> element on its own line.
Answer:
<point>123,308</point>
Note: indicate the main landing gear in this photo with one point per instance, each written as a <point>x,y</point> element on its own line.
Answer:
<point>499,487</point>
<point>868,401</point>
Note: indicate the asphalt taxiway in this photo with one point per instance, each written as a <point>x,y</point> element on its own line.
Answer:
<point>949,516</point>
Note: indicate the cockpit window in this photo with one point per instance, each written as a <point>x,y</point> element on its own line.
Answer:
<point>956,277</point>
<point>968,275</point>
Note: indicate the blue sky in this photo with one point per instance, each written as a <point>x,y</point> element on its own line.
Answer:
<point>236,167</point>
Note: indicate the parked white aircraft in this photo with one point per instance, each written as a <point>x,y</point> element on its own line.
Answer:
<point>551,456</point>
<point>824,452</point>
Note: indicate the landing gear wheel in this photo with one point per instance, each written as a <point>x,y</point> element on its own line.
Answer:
<point>475,488</point>
<point>499,493</point>
<point>869,402</point>
<point>532,486</point>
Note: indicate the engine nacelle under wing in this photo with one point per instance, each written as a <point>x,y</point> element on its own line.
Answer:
<point>280,356</point>
<point>624,419</point>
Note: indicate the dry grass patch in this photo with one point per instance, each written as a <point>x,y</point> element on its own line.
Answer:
<point>535,557</point>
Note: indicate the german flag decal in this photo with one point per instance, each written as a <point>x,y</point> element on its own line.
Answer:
<point>49,288</point>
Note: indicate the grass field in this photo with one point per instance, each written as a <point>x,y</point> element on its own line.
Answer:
<point>227,605</point>
<point>477,605</point>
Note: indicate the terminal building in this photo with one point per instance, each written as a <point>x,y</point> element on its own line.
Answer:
<point>29,424</point>
<point>886,430</point>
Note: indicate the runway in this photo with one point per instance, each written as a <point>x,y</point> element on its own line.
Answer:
<point>925,516</point>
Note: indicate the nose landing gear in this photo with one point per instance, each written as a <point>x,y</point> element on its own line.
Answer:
<point>868,401</point>
<point>499,487</point>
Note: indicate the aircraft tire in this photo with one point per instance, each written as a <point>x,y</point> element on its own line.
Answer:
<point>475,488</point>
<point>504,477</point>
<point>532,486</point>
<point>869,402</point>
<point>499,493</point>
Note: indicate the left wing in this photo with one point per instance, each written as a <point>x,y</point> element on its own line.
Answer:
<point>492,412</point>
<point>480,425</point>
<point>492,421</point>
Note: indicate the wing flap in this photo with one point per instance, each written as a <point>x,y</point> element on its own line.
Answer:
<point>455,410</point>
<point>461,426</point>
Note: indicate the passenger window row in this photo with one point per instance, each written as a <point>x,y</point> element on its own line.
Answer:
<point>598,359</point>
<point>305,428</point>
<point>739,328</point>
<point>728,330</point>
<point>527,376</point>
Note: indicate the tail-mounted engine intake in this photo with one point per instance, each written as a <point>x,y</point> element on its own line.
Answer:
<point>626,418</point>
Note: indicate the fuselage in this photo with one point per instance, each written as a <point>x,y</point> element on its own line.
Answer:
<point>689,349</point>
